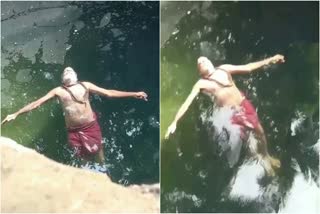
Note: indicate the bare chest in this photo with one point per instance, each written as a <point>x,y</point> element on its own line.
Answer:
<point>217,83</point>
<point>74,93</point>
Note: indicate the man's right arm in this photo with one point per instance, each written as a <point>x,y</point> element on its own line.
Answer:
<point>182,110</point>
<point>31,106</point>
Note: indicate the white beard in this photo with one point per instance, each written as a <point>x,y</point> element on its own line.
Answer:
<point>69,79</point>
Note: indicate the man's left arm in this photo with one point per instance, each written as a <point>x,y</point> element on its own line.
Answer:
<point>114,93</point>
<point>250,67</point>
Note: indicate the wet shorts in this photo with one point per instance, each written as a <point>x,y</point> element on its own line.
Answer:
<point>87,139</point>
<point>246,117</point>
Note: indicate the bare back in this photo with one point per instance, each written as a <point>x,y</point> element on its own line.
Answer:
<point>221,87</point>
<point>76,114</point>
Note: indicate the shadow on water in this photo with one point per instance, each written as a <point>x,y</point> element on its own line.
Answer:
<point>107,43</point>
<point>195,174</point>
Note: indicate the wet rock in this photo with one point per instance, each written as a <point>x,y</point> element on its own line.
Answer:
<point>105,20</point>
<point>24,75</point>
<point>28,26</point>
<point>171,13</point>
<point>33,183</point>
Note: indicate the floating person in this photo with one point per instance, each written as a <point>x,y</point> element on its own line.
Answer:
<point>218,83</point>
<point>84,133</point>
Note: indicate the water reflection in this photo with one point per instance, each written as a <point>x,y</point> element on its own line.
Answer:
<point>106,43</point>
<point>201,160</point>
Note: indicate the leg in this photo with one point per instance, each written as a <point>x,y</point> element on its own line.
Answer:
<point>263,150</point>
<point>262,146</point>
<point>101,160</point>
<point>100,156</point>
<point>84,161</point>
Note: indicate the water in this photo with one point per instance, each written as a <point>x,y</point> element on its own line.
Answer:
<point>195,170</point>
<point>112,44</point>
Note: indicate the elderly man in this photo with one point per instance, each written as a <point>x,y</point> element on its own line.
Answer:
<point>84,133</point>
<point>218,84</point>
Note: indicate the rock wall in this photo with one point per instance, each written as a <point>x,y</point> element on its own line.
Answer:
<point>30,182</point>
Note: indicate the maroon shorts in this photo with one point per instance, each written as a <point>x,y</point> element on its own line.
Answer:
<point>87,139</point>
<point>246,117</point>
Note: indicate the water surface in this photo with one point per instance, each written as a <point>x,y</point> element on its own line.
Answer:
<point>195,173</point>
<point>112,44</point>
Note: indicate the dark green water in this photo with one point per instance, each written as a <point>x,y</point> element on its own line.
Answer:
<point>112,44</point>
<point>194,174</point>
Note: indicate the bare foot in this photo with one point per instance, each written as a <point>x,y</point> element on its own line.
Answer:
<point>275,163</point>
<point>267,164</point>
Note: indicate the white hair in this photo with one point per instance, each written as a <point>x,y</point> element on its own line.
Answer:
<point>206,63</point>
<point>69,76</point>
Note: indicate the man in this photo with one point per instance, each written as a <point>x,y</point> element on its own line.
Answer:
<point>218,83</point>
<point>84,134</point>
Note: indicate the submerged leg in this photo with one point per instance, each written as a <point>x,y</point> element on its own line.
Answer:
<point>84,161</point>
<point>262,146</point>
<point>263,151</point>
<point>100,156</point>
<point>101,160</point>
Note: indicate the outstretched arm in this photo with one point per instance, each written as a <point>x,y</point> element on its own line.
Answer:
<point>114,93</point>
<point>248,68</point>
<point>182,110</point>
<point>31,106</point>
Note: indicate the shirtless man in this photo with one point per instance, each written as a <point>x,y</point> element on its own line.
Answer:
<point>84,134</point>
<point>218,83</point>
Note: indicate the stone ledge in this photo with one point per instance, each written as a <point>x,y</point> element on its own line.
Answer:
<point>30,182</point>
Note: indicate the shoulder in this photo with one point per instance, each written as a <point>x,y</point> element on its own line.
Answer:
<point>225,67</point>
<point>87,84</point>
<point>201,83</point>
<point>224,70</point>
<point>56,91</point>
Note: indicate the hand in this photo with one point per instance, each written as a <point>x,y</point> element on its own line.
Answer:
<point>171,129</point>
<point>277,59</point>
<point>141,95</point>
<point>9,117</point>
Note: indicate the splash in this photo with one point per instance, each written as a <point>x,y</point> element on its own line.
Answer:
<point>303,197</point>
<point>225,134</point>
<point>245,179</point>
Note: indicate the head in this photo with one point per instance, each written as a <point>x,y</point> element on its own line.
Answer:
<point>69,76</point>
<point>205,67</point>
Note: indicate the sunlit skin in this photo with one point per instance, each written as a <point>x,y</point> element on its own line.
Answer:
<point>75,114</point>
<point>225,94</point>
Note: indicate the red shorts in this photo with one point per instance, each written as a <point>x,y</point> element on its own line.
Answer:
<point>87,139</point>
<point>246,117</point>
